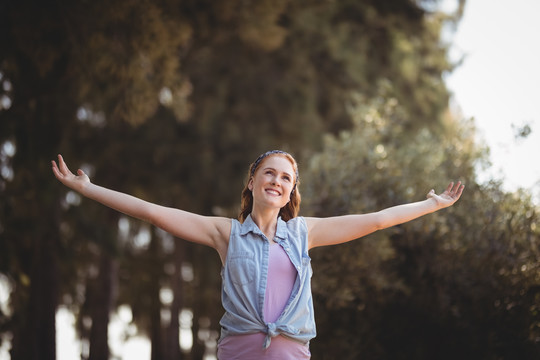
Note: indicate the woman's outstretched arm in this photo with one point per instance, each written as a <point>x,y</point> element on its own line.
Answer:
<point>340,229</point>
<point>210,231</point>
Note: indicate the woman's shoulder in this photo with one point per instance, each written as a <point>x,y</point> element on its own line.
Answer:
<point>295,221</point>
<point>297,224</point>
<point>236,225</point>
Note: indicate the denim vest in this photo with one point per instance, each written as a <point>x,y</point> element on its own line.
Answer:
<point>244,282</point>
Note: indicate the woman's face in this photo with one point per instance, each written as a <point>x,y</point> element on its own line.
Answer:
<point>273,181</point>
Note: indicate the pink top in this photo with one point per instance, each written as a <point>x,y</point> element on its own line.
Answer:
<point>280,282</point>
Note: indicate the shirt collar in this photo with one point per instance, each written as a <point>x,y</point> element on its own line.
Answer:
<point>249,226</point>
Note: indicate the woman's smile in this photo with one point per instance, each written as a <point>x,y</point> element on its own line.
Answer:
<point>274,180</point>
<point>273,192</point>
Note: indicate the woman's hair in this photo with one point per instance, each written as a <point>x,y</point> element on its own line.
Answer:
<point>287,212</point>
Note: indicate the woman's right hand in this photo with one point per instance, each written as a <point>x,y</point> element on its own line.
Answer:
<point>65,176</point>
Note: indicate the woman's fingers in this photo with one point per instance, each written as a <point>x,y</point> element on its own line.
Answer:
<point>63,167</point>
<point>456,190</point>
<point>460,189</point>
<point>60,170</point>
<point>55,169</point>
<point>453,187</point>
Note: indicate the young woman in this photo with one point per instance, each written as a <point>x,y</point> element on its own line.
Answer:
<point>266,290</point>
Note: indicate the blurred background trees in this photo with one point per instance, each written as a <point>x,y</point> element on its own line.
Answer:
<point>460,283</point>
<point>171,100</point>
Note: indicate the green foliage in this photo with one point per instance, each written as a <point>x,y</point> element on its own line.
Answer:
<point>438,287</point>
<point>170,101</point>
<point>131,54</point>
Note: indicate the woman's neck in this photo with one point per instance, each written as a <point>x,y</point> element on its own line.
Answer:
<point>266,221</point>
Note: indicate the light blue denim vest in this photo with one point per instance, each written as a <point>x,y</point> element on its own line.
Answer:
<point>244,282</point>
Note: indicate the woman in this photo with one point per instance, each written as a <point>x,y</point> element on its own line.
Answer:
<point>266,290</point>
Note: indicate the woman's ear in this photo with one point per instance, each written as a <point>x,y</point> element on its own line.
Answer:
<point>250,184</point>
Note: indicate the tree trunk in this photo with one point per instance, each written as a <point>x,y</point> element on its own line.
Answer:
<point>101,305</point>
<point>199,309</point>
<point>35,207</point>
<point>155,307</point>
<point>172,345</point>
<point>37,339</point>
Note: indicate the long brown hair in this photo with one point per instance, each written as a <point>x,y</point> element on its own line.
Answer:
<point>287,212</point>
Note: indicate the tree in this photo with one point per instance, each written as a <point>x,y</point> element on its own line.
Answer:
<point>460,283</point>
<point>186,90</point>
<point>44,57</point>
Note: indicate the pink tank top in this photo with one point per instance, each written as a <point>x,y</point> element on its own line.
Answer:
<point>280,282</point>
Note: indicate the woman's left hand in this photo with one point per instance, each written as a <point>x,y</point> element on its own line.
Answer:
<point>449,196</point>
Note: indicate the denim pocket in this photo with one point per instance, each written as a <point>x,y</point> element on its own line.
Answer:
<point>242,268</point>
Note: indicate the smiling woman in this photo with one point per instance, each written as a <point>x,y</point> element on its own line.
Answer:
<point>289,170</point>
<point>266,276</point>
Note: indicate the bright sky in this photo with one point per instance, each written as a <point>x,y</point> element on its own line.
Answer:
<point>499,84</point>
